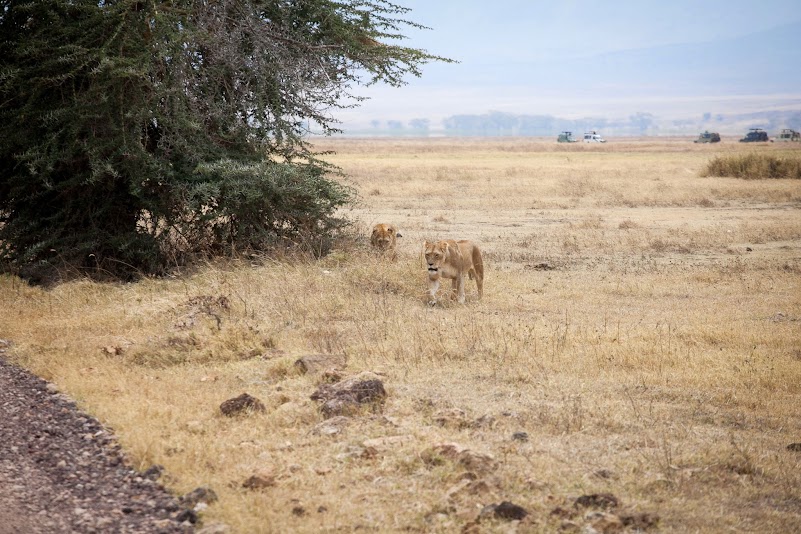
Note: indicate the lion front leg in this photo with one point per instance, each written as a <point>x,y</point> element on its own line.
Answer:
<point>433,286</point>
<point>459,282</point>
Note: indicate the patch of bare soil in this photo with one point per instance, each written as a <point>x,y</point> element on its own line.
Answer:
<point>61,471</point>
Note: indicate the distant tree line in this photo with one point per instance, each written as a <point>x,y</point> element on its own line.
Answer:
<point>497,123</point>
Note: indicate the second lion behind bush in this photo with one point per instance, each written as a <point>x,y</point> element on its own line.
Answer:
<point>384,239</point>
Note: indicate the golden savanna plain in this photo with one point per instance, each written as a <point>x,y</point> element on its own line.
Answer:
<point>639,336</point>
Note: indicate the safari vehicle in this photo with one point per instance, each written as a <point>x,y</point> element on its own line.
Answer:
<point>593,137</point>
<point>788,135</point>
<point>708,137</point>
<point>566,137</point>
<point>755,135</point>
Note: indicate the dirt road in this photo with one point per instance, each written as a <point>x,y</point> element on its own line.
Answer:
<point>61,471</point>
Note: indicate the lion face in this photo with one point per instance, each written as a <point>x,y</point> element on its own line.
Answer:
<point>384,236</point>
<point>436,256</point>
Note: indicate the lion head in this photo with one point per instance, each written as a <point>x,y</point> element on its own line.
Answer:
<point>384,236</point>
<point>438,254</point>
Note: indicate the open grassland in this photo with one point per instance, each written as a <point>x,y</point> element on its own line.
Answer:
<point>640,323</point>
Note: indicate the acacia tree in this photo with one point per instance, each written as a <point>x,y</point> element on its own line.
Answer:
<point>137,133</point>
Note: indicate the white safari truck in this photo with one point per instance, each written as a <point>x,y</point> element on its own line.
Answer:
<point>593,137</point>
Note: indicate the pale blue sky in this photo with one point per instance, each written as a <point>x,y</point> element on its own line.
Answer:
<point>539,57</point>
<point>536,29</point>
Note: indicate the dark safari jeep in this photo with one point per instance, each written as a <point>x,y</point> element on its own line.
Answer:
<point>755,135</point>
<point>708,137</point>
<point>566,137</point>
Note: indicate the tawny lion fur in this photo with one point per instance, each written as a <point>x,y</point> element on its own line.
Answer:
<point>454,260</point>
<point>385,239</point>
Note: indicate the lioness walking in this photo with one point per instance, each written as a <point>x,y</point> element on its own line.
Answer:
<point>454,260</point>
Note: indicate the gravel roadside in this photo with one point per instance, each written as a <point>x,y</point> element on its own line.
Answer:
<point>61,471</point>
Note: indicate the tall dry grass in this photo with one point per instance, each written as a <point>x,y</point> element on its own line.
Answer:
<point>640,323</point>
<point>756,166</point>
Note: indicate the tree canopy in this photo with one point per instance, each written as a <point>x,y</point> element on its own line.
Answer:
<point>135,134</point>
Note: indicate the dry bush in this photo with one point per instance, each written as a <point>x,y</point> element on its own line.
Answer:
<point>755,166</point>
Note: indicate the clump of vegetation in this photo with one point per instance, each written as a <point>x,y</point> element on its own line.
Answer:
<point>755,166</point>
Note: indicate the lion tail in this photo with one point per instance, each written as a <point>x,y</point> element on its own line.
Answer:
<point>478,263</point>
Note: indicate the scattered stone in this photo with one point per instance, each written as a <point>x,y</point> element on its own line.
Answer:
<point>332,426</point>
<point>348,396</point>
<point>201,494</point>
<point>317,363</point>
<point>475,461</point>
<point>200,507</point>
<point>520,436</point>
<point>510,511</point>
<point>642,521</point>
<point>298,511</point>
<point>505,510</point>
<point>153,472</point>
<point>260,480</point>
<point>241,404</point>
<point>340,406</point>
<point>795,447</point>
<point>113,350</point>
<point>597,500</point>
<point>186,516</point>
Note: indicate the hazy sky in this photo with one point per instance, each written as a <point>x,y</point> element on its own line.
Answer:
<point>481,31</point>
<point>504,35</point>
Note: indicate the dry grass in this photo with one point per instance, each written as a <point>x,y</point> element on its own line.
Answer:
<point>640,323</point>
<point>756,166</point>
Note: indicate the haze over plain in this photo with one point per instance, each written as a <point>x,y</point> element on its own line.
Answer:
<point>572,59</point>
